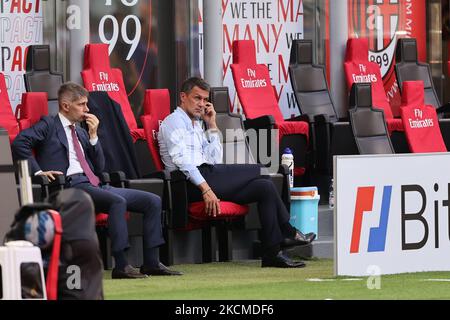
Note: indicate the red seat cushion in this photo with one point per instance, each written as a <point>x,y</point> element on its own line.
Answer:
<point>292,127</point>
<point>394,124</point>
<point>101,219</point>
<point>420,121</point>
<point>98,75</point>
<point>358,69</point>
<point>227,209</point>
<point>7,119</point>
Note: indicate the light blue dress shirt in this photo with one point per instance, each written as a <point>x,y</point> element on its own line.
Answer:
<point>184,145</point>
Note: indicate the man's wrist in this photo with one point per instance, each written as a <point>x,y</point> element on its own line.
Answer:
<point>203,187</point>
<point>212,125</point>
<point>93,141</point>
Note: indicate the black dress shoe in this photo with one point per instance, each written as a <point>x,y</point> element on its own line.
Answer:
<point>300,239</point>
<point>280,261</point>
<point>128,272</point>
<point>162,270</point>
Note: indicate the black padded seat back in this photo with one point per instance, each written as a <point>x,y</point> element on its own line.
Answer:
<point>301,52</point>
<point>406,50</point>
<point>408,68</point>
<point>234,142</point>
<point>53,107</point>
<point>38,76</point>
<point>38,59</point>
<point>309,82</point>
<point>368,124</point>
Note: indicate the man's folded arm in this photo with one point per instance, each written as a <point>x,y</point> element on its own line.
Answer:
<point>23,145</point>
<point>213,148</point>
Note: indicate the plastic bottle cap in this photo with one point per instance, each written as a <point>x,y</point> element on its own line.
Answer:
<point>287,151</point>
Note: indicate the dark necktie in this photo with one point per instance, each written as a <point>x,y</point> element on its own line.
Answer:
<point>93,179</point>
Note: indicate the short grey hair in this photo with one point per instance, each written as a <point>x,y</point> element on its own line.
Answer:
<point>72,92</point>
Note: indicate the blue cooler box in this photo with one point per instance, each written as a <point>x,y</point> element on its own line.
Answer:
<point>305,209</point>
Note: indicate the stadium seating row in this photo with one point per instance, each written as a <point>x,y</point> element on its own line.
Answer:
<point>315,136</point>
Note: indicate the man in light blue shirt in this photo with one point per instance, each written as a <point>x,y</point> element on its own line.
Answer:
<point>186,146</point>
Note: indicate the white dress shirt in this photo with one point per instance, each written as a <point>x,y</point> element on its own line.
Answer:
<point>184,145</point>
<point>74,164</point>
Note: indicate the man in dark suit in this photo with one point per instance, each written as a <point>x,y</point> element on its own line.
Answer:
<point>184,145</point>
<point>62,147</point>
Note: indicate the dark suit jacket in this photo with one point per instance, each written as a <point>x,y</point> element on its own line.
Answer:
<point>51,151</point>
<point>114,134</point>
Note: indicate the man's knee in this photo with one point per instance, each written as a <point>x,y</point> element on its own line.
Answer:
<point>154,202</point>
<point>265,186</point>
<point>118,201</point>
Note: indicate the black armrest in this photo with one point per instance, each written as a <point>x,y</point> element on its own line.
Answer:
<point>60,181</point>
<point>105,178</point>
<point>444,109</point>
<point>163,174</point>
<point>48,186</point>
<point>264,122</point>
<point>283,169</point>
<point>118,178</point>
<point>40,179</point>
<point>286,190</point>
<point>302,117</point>
<point>177,176</point>
<point>179,201</point>
<point>321,118</point>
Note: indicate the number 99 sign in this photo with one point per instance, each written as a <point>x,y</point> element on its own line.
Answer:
<point>132,40</point>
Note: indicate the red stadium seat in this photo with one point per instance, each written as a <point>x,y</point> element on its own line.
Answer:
<point>359,69</point>
<point>157,108</point>
<point>7,119</point>
<point>98,75</point>
<point>34,105</point>
<point>186,216</point>
<point>257,97</point>
<point>419,120</point>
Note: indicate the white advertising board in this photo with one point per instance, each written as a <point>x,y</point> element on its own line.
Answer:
<point>392,214</point>
<point>272,25</point>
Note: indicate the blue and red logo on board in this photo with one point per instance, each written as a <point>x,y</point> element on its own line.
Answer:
<point>421,219</point>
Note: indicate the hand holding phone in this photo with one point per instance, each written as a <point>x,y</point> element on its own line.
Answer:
<point>209,114</point>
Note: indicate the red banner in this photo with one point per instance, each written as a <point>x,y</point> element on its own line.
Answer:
<point>21,25</point>
<point>383,22</point>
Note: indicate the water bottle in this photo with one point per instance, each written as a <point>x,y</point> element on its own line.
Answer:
<point>331,196</point>
<point>288,159</point>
